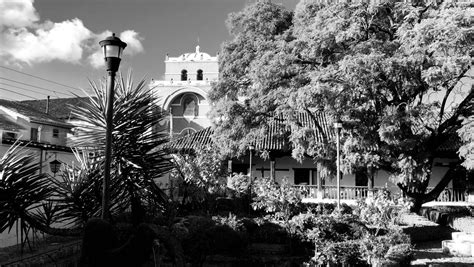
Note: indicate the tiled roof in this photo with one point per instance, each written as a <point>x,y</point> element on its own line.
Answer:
<point>276,137</point>
<point>59,108</point>
<point>193,141</point>
<point>44,146</point>
<point>9,125</point>
<point>32,113</point>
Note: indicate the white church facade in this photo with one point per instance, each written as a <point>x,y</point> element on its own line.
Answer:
<point>183,93</point>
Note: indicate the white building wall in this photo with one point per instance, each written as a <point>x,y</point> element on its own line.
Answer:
<point>46,156</point>
<point>285,167</point>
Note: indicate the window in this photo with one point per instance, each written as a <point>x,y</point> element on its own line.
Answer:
<point>9,135</point>
<point>199,75</point>
<point>34,134</point>
<point>55,133</point>
<point>361,178</point>
<point>184,75</point>
<point>240,168</point>
<point>190,106</point>
<point>303,176</point>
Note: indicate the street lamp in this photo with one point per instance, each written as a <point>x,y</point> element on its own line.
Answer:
<point>55,165</point>
<point>251,148</point>
<point>112,48</point>
<point>338,127</point>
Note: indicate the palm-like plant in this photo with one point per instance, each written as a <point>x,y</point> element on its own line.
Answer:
<point>136,155</point>
<point>78,190</point>
<point>22,189</point>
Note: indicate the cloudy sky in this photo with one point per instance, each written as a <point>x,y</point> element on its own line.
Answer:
<point>50,47</point>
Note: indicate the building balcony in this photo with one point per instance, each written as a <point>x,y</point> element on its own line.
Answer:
<point>350,194</point>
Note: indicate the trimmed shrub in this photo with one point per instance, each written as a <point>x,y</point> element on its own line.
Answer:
<point>269,233</point>
<point>464,224</point>
<point>401,254</point>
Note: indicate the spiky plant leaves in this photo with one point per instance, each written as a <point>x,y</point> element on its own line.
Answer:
<point>22,187</point>
<point>136,155</point>
<point>78,190</point>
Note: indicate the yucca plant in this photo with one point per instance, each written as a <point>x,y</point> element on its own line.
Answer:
<point>26,194</point>
<point>78,190</point>
<point>137,157</point>
<point>23,189</point>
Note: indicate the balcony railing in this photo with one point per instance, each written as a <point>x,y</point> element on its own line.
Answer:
<point>330,191</point>
<point>357,192</point>
<point>451,195</point>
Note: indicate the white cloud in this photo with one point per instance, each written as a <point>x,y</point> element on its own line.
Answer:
<point>51,41</point>
<point>24,40</point>
<point>17,13</point>
<point>131,37</point>
<point>133,41</point>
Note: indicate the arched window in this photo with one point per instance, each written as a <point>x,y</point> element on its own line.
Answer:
<point>190,106</point>
<point>199,75</point>
<point>184,75</point>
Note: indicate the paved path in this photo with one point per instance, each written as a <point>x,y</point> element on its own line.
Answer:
<point>429,253</point>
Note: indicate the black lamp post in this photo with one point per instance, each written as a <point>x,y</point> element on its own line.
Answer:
<point>338,127</point>
<point>112,48</point>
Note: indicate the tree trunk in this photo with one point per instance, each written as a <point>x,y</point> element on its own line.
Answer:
<point>419,199</point>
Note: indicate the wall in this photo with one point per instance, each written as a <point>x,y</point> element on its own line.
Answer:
<point>285,167</point>
<point>10,238</point>
<point>209,68</point>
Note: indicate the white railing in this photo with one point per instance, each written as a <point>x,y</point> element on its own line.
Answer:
<point>357,192</point>
<point>451,195</point>
<point>330,191</point>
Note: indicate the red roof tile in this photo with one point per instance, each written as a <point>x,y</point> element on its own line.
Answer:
<point>33,114</point>
<point>276,137</point>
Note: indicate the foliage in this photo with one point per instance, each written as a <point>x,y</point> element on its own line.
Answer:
<point>269,232</point>
<point>377,247</point>
<point>137,152</point>
<point>466,133</point>
<point>401,254</point>
<point>23,188</point>
<point>322,208</point>
<point>464,224</point>
<point>78,188</point>
<point>199,175</point>
<point>240,183</point>
<point>392,71</point>
<point>203,237</point>
<point>343,252</point>
<point>335,237</point>
<point>276,199</point>
<point>230,221</point>
<point>380,211</point>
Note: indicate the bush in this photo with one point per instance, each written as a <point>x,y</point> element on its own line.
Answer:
<point>380,212</point>
<point>464,224</point>
<point>322,208</point>
<point>230,221</point>
<point>377,247</point>
<point>204,238</point>
<point>279,200</point>
<point>240,183</point>
<point>344,252</point>
<point>269,233</point>
<point>401,254</point>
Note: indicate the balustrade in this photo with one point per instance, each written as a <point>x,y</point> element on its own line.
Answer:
<point>357,192</point>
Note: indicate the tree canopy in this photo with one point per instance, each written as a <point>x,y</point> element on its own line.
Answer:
<point>396,74</point>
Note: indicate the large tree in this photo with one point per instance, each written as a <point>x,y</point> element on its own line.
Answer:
<point>394,73</point>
